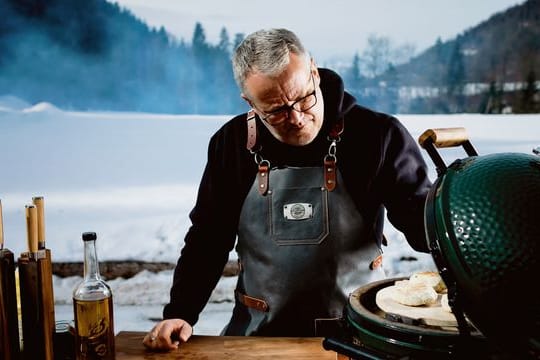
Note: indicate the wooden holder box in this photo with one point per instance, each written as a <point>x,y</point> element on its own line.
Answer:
<point>9,321</point>
<point>37,305</point>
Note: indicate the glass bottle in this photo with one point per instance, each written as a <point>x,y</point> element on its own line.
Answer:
<point>93,308</point>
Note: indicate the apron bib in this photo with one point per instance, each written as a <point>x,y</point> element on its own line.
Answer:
<point>302,250</point>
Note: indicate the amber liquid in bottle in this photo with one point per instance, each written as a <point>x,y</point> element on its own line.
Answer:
<point>93,309</point>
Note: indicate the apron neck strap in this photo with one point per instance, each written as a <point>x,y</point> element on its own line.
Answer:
<point>330,176</point>
<point>264,166</point>
<point>336,130</point>
<point>251,143</point>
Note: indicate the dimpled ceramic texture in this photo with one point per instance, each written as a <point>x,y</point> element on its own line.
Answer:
<point>488,225</point>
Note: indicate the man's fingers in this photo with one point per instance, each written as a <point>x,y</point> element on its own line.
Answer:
<point>185,332</point>
<point>180,329</point>
<point>159,338</point>
<point>167,335</point>
<point>150,339</point>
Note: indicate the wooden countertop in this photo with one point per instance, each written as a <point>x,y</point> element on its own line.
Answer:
<point>129,347</point>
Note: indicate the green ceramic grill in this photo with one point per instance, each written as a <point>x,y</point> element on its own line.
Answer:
<point>482,220</point>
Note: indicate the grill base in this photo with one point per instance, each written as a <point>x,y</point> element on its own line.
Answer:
<point>367,333</point>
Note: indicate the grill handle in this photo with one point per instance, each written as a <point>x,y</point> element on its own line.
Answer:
<point>432,139</point>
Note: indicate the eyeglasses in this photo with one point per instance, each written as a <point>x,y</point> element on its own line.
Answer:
<point>277,117</point>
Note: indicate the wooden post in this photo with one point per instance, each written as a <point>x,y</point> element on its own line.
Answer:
<point>9,321</point>
<point>37,300</point>
<point>9,329</point>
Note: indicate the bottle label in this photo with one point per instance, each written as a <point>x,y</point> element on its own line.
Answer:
<point>94,329</point>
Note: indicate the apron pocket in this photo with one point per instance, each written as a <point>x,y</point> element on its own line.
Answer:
<point>298,216</point>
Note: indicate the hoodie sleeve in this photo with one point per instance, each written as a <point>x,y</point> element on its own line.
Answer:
<point>207,243</point>
<point>406,184</point>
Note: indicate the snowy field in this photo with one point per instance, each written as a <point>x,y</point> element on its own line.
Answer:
<point>133,177</point>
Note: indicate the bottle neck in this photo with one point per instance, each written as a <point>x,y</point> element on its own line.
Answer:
<point>91,265</point>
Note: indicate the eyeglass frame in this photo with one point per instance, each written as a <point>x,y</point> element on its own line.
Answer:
<point>286,109</point>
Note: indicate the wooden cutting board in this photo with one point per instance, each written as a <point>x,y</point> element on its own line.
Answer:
<point>129,347</point>
<point>433,314</point>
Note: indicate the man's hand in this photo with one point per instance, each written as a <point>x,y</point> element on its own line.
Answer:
<point>168,334</point>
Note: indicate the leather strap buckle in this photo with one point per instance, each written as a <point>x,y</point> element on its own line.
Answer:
<point>330,173</point>
<point>251,302</point>
<point>262,176</point>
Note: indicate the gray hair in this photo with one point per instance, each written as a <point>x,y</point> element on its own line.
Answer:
<point>266,51</point>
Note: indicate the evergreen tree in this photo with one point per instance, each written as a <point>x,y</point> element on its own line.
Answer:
<point>354,72</point>
<point>223,94</point>
<point>199,73</point>
<point>238,38</point>
<point>224,42</point>
<point>353,78</point>
<point>455,78</point>
<point>439,51</point>
<point>391,90</point>
<point>529,104</point>
<point>198,41</point>
<point>456,71</point>
<point>494,103</point>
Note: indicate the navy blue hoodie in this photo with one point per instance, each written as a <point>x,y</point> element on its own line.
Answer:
<point>380,163</point>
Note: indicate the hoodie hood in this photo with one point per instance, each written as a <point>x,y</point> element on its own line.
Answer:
<point>337,102</point>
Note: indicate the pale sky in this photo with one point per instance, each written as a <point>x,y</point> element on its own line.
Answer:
<point>328,28</point>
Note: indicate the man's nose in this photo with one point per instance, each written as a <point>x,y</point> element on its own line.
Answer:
<point>296,117</point>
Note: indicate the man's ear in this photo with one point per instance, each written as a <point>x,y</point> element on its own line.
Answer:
<point>243,96</point>
<point>314,69</point>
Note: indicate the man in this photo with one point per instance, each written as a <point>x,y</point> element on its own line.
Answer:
<point>301,184</point>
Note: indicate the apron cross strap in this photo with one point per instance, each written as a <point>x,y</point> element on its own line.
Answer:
<point>251,131</point>
<point>330,179</point>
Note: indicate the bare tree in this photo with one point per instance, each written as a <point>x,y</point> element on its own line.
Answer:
<point>403,53</point>
<point>380,55</point>
<point>377,55</point>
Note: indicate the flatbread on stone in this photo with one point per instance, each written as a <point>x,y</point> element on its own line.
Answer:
<point>430,278</point>
<point>413,294</point>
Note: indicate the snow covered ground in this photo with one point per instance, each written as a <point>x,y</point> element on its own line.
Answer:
<point>133,177</point>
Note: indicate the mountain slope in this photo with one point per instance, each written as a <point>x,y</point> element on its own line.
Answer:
<point>504,48</point>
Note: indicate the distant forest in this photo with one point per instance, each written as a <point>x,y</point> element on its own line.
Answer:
<point>95,55</point>
<point>493,67</point>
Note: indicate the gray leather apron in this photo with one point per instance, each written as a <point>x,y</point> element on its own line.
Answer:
<point>302,249</point>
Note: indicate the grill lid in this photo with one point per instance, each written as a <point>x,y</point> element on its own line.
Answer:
<point>483,231</point>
